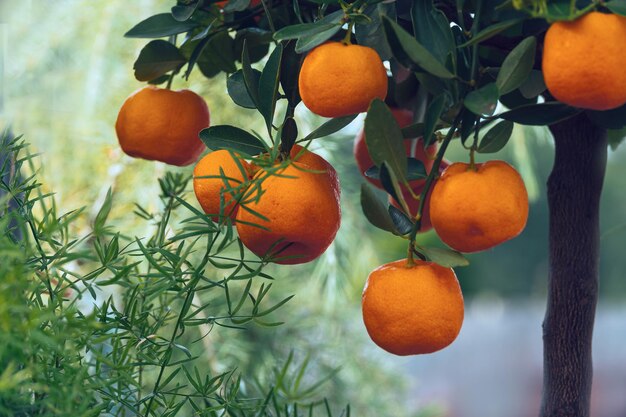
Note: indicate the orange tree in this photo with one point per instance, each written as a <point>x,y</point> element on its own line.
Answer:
<point>450,63</point>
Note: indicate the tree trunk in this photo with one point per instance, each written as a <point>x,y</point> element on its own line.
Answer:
<point>574,190</point>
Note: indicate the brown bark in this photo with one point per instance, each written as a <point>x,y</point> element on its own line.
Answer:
<point>574,190</point>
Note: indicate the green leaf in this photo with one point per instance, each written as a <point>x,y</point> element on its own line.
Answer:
<point>410,52</point>
<point>160,26</point>
<point>374,210</point>
<point>534,85</point>
<point>157,58</point>
<point>237,90</point>
<point>390,183</point>
<point>433,113</point>
<point>184,12</point>
<point>445,257</point>
<point>468,121</point>
<point>414,130</point>
<point>250,81</point>
<point>307,43</point>
<point>236,6</point>
<point>268,86</point>
<point>371,33</point>
<point>289,72</point>
<point>483,101</point>
<point>496,137</point>
<point>517,66</point>
<point>302,30</point>
<point>288,134</point>
<point>491,31</point>
<point>609,119</point>
<point>233,138</point>
<point>402,223</point>
<point>416,170</point>
<point>330,127</point>
<point>617,6</point>
<point>257,40</point>
<point>103,213</point>
<point>541,114</point>
<point>432,29</point>
<point>615,137</point>
<point>383,138</point>
<point>217,55</point>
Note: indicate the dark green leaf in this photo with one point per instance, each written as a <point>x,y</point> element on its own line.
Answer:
<point>268,86</point>
<point>483,101</point>
<point>431,118</point>
<point>517,66</point>
<point>372,34</point>
<point>541,114</point>
<point>416,170</point>
<point>330,127</point>
<point>257,40</point>
<point>609,119</point>
<point>615,137</point>
<point>374,210</point>
<point>383,138</point>
<point>288,134</point>
<point>306,43</point>
<point>217,55</point>
<point>390,183</point>
<point>184,12</point>
<point>233,138</point>
<point>415,130</point>
<point>468,121</point>
<point>289,73</point>
<point>157,58</point>
<point>410,52</point>
<point>432,29</point>
<point>236,5</point>
<point>534,85</point>
<point>160,26</point>
<point>491,31</point>
<point>250,80</point>
<point>401,222</point>
<point>237,89</point>
<point>617,6</point>
<point>496,137</point>
<point>302,30</point>
<point>445,257</point>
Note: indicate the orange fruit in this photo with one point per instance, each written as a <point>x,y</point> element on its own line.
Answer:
<point>414,149</point>
<point>338,79</point>
<point>162,125</point>
<point>476,209</point>
<point>225,173</point>
<point>410,310</point>
<point>584,64</point>
<point>301,207</point>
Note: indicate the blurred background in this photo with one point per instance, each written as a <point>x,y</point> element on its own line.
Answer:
<point>65,69</point>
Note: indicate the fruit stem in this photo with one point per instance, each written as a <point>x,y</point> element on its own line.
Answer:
<point>472,165</point>
<point>434,172</point>
<point>347,40</point>
<point>169,81</point>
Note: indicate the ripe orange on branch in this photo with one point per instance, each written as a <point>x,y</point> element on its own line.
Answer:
<point>584,64</point>
<point>162,125</point>
<point>338,79</point>
<point>300,209</point>
<point>410,310</point>
<point>223,174</point>
<point>476,209</point>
